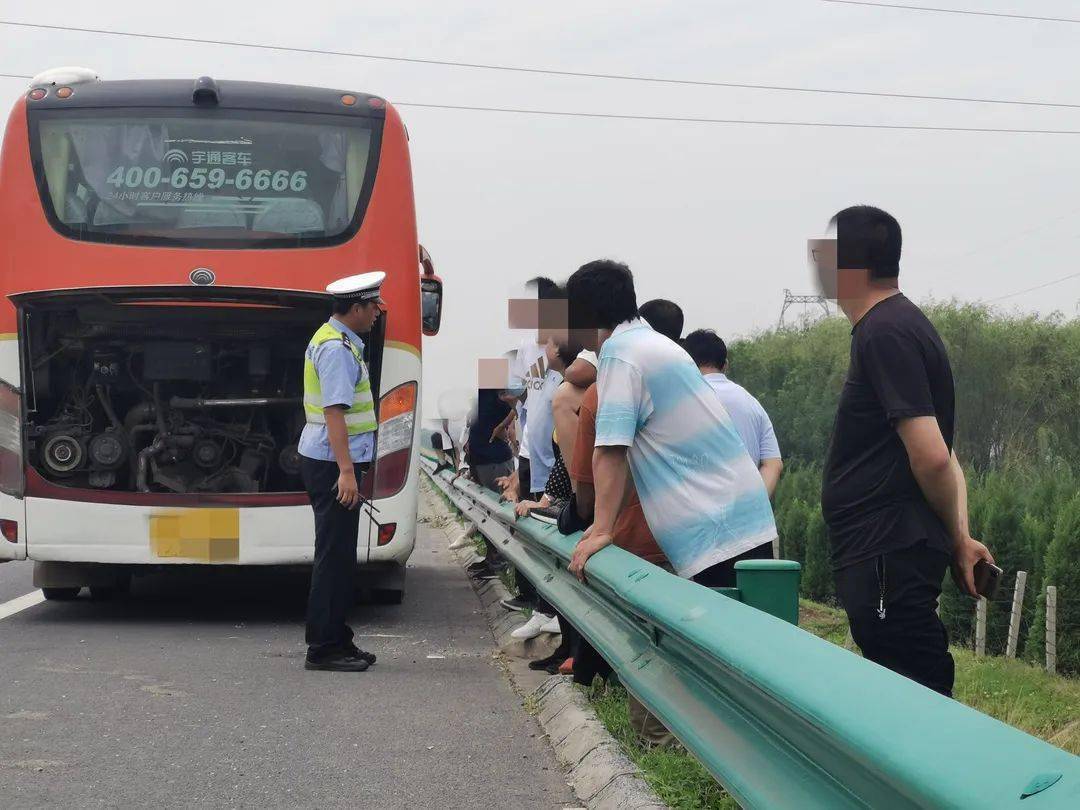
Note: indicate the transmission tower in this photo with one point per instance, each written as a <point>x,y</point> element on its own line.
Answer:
<point>790,299</point>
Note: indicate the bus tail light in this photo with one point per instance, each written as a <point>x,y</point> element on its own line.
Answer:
<point>386,533</point>
<point>10,530</point>
<point>397,419</point>
<point>12,479</point>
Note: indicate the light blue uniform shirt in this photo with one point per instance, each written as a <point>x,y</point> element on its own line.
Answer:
<point>750,419</point>
<point>541,426</point>
<point>339,372</point>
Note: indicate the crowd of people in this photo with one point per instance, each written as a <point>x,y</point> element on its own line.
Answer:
<point>613,424</point>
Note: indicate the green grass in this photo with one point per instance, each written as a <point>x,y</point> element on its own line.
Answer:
<point>1012,691</point>
<point>1015,692</point>
<point>678,779</point>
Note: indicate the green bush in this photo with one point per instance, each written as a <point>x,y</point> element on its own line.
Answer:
<point>817,578</point>
<point>1063,572</point>
<point>791,522</point>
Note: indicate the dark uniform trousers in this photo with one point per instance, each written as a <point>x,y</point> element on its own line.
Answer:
<point>909,638</point>
<point>334,572</point>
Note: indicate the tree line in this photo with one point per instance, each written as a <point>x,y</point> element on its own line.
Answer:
<point>1017,436</point>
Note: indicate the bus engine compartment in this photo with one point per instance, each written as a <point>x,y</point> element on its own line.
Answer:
<point>166,396</point>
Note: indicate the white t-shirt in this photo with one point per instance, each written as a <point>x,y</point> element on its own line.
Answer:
<point>589,357</point>
<point>528,368</point>
<point>523,441</point>
<point>527,371</point>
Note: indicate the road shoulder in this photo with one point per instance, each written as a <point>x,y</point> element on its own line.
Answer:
<point>600,773</point>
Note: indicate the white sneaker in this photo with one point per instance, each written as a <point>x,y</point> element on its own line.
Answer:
<point>551,626</point>
<point>532,628</point>
<point>464,539</point>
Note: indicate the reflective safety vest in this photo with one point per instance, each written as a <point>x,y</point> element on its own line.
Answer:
<point>360,417</point>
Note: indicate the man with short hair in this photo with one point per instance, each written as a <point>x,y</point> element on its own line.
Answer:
<point>529,371</point>
<point>894,496</point>
<point>666,317</point>
<point>541,423</point>
<point>709,351</point>
<point>336,449</point>
<point>657,417</point>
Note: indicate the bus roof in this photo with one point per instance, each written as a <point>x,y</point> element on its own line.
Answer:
<point>231,95</point>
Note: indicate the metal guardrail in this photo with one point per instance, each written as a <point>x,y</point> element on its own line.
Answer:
<point>781,718</point>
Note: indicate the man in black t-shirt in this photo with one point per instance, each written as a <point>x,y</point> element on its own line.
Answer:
<point>893,494</point>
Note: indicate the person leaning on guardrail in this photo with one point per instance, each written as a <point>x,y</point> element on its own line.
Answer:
<point>489,450</point>
<point>658,418</point>
<point>893,496</point>
<point>578,375</point>
<point>709,352</point>
<point>557,492</point>
<point>631,533</point>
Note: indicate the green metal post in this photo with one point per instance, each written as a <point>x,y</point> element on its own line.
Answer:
<point>771,586</point>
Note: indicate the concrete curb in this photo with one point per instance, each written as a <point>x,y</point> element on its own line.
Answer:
<point>600,774</point>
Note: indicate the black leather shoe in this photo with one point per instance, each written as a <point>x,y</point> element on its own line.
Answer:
<point>356,652</point>
<point>343,661</point>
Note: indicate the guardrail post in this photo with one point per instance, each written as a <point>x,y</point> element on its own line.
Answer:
<point>1014,617</point>
<point>1051,629</point>
<point>771,586</point>
<point>980,627</point>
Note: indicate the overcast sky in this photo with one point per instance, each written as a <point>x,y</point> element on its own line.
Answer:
<point>714,217</point>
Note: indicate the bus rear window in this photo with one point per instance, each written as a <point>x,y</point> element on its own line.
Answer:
<point>230,179</point>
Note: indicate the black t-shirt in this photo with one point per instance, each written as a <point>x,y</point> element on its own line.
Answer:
<point>870,499</point>
<point>490,411</point>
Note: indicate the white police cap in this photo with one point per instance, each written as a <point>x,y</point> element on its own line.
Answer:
<point>364,287</point>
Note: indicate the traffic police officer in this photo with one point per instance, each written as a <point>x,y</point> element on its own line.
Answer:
<point>336,449</point>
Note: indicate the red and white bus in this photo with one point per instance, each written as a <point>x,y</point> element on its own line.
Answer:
<point>164,248</point>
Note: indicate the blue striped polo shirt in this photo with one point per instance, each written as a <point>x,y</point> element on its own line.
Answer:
<point>702,496</point>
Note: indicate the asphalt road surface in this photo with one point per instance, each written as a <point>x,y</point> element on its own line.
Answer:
<point>191,692</point>
<point>16,579</point>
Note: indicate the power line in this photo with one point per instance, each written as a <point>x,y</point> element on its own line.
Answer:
<point>1032,289</point>
<point>746,121</point>
<point>693,120</point>
<point>550,71</point>
<point>953,11</point>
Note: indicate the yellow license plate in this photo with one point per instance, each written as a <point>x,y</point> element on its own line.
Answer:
<point>206,535</point>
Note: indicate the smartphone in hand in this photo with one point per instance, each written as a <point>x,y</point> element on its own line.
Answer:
<point>987,577</point>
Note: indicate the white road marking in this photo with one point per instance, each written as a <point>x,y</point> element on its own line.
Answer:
<point>21,603</point>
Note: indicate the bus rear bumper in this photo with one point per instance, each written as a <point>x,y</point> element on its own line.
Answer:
<point>59,531</point>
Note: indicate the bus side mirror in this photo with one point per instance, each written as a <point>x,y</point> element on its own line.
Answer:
<point>431,290</point>
<point>431,296</point>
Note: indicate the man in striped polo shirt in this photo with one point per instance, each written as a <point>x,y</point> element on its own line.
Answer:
<point>658,419</point>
